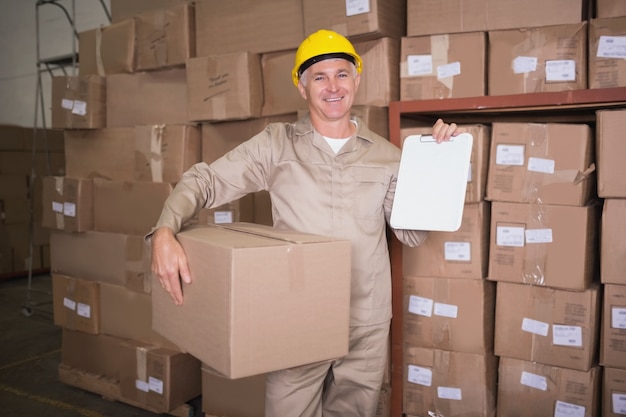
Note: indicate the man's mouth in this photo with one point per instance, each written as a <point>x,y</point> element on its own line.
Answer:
<point>333,99</point>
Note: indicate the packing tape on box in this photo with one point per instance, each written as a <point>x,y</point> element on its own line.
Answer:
<point>158,42</point>
<point>57,207</point>
<point>99,64</point>
<point>439,49</point>
<point>156,158</point>
<point>141,357</point>
<point>537,238</point>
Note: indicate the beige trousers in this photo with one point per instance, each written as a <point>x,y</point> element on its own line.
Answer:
<point>345,387</point>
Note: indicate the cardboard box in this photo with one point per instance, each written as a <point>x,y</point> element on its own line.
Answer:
<point>76,303</point>
<point>533,60</point>
<point>155,153</point>
<point>543,163</point>
<point>449,383</point>
<point>607,67</point>
<point>97,354</point>
<point>614,392</point>
<point>609,149</point>
<point>613,339</point>
<point>449,314</point>
<point>158,378</point>
<point>443,66</point>
<point>270,26</point>
<point>108,49</point>
<point>356,20</point>
<point>479,159</point>
<point>461,254</point>
<point>113,258</point>
<point>530,389</point>
<point>545,245</point>
<point>67,204</point>
<point>379,80</point>
<point>165,37</point>
<point>124,9</point>
<point>280,96</point>
<point>78,102</point>
<point>245,315</point>
<point>127,207</point>
<point>222,396</point>
<point>241,210</point>
<point>147,98</point>
<point>547,325</point>
<point>224,87</point>
<point>612,246</point>
<point>263,208</point>
<point>610,8</point>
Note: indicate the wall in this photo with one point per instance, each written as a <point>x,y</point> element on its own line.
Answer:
<point>18,51</point>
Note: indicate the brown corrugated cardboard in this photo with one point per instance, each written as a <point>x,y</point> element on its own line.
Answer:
<point>612,245</point>
<point>158,378</point>
<point>610,8</point>
<point>78,102</point>
<point>547,325</point>
<point>67,204</point>
<point>223,397</point>
<point>124,9</point>
<point>544,163</point>
<point>241,210</point>
<point>280,96</point>
<point>610,148</point>
<point>443,66</point>
<point>381,65</point>
<point>147,98</point>
<point>460,254</point>
<point>165,37</point>
<point>156,153</point>
<point>546,245</point>
<point>449,383</point>
<point>449,314</point>
<point>128,207</point>
<point>356,20</point>
<point>269,26</point>
<point>479,159</point>
<point>533,60</point>
<point>263,208</point>
<point>260,300</point>
<point>22,162</point>
<point>530,389</point>
<point>224,87</point>
<point>108,49</point>
<point>613,340</point>
<point>114,258</point>
<point>607,67</point>
<point>93,353</point>
<point>76,303</point>
<point>614,392</point>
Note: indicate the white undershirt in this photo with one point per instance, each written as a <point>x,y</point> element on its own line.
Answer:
<point>335,143</point>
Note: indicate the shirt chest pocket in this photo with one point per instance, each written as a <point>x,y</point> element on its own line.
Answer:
<point>369,186</point>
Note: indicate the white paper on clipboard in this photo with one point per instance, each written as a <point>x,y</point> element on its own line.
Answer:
<point>432,179</point>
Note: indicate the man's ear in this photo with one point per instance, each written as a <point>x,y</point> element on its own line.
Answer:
<point>357,82</point>
<point>302,90</point>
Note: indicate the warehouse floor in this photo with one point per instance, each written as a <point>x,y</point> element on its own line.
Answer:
<point>30,351</point>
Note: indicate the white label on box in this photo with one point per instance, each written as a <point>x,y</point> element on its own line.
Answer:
<point>523,64</point>
<point>457,251</point>
<point>80,108</point>
<point>449,70</point>
<point>420,375</point>
<point>561,70</point>
<point>57,207</point>
<point>534,381</point>
<point>618,318</point>
<point>567,335</point>
<point>619,402</point>
<point>535,326</point>
<point>71,304</point>
<point>510,155</point>
<point>354,7</point>
<point>220,217</point>
<point>69,209</point>
<point>142,385</point>
<point>510,236</point>
<point>67,104</point>
<point>612,47</point>
<point>155,385</point>
<point>541,165</point>
<point>446,310</point>
<point>563,409</point>
<point>83,310</point>
<point>419,65</point>
<point>538,235</point>
<point>449,393</point>
<point>420,305</point>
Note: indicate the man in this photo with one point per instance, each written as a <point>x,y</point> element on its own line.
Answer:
<point>327,174</point>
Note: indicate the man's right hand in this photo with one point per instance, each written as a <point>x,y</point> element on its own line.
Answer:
<point>169,263</point>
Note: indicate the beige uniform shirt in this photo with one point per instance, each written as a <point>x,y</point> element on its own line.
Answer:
<point>347,195</point>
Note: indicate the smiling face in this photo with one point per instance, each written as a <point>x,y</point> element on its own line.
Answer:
<point>329,87</point>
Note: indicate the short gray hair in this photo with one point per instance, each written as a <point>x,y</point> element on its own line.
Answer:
<point>303,77</point>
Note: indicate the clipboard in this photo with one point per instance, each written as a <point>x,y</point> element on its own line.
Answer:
<point>432,180</point>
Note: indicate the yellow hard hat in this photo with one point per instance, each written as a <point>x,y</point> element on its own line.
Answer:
<point>321,45</point>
